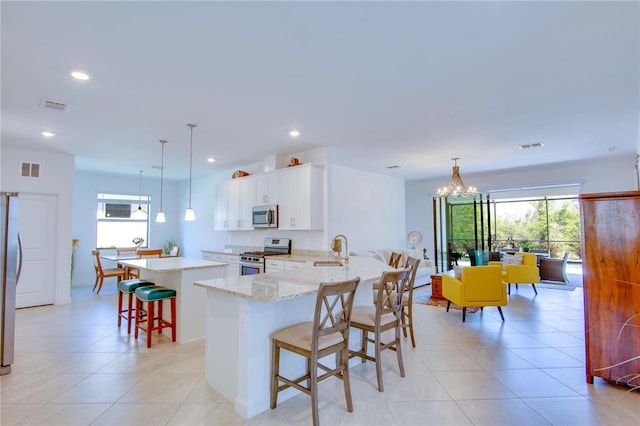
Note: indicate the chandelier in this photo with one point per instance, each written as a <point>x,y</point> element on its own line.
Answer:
<point>456,187</point>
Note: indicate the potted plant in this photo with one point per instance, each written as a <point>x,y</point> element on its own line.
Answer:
<point>525,245</point>
<point>169,245</point>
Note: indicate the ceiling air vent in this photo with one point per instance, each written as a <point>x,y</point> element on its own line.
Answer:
<point>54,105</point>
<point>30,170</point>
<point>531,145</point>
<point>393,167</point>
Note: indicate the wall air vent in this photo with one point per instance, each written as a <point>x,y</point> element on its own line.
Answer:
<point>54,105</point>
<point>531,145</point>
<point>30,170</point>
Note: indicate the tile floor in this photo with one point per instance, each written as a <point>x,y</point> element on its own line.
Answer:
<point>75,367</point>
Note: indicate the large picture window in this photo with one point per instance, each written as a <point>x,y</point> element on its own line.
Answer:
<point>115,226</point>
<point>545,225</point>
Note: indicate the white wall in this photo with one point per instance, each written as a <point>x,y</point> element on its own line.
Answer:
<point>367,207</point>
<point>88,184</point>
<point>56,177</point>
<point>606,174</point>
<point>200,234</point>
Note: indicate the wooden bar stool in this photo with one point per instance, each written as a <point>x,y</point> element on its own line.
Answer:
<point>146,319</point>
<point>128,287</point>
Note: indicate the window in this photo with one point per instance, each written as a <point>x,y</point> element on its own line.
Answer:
<point>115,227</point>
<point>550,224</point>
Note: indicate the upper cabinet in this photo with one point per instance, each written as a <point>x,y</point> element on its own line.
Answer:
<point>266,189</point>
<point>241,194</point>
<point>300,192</point>
<point>222,208</point>
<point>234,200</point>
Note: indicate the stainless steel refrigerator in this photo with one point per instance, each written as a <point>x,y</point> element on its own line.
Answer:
<point>11,258</point>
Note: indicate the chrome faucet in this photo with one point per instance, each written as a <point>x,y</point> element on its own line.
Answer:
<point>336,247</point>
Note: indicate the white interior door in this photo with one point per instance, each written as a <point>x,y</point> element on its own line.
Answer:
<point>37,226</point>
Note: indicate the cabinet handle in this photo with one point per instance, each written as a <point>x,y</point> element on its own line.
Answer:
<point>238,223</point>
<point>265,198</point>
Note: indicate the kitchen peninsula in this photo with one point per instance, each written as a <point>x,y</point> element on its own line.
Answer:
<point>243,311</point>
<point>179,273</point>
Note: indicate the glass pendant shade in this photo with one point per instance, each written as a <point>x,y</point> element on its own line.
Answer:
<point>139,213</point>
<point>190,214</point>
<point>456,187</point>
<point>160,216</point>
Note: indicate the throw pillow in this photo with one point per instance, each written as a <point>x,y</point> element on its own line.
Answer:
<point>457,271</point>
<point>510,259</point>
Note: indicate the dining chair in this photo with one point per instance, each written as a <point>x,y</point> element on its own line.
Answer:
<point>384,316</point>
<point>125,251</point>
<point>407,299</point>
<point>102,273</point>
<point>144,254</point>
<point>394,261</point>
<point>327,334</point>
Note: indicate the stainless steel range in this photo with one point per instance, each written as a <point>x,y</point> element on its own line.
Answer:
<point>252,262</point>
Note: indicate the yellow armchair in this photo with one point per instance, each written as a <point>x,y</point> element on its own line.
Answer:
<point>527,273</point>
<point>478,286</point>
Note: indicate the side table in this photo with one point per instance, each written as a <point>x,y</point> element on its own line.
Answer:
<point>436,286</point>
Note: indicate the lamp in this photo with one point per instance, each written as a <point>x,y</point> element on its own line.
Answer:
<point>190,215</point>
<point>160,216</point>
<point>139,214</point>
<point>456,187</point>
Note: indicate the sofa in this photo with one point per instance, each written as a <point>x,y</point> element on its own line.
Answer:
<point>425,270</point>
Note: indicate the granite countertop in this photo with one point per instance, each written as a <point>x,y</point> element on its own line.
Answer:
<point>163,264</point>
<point>281,285</point>
<point>235,250</point>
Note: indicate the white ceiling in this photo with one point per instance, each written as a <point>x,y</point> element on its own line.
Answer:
<point>385,83</point>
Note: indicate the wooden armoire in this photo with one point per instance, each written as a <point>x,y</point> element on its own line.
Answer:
<point>611,277</point>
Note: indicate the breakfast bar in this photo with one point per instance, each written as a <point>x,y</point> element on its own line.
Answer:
<point>179,273</point>
<point>243,311</point>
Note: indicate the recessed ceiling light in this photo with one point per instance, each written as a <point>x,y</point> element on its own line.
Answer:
<point>294,133</point>
<point>47,134</point>
<point>211,160</point>
<point>80,75</point>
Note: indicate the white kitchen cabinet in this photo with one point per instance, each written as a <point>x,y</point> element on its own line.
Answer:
<point>291,265</point>
<point>300,197</point>
<point>234,200</point>
<point>233,270</point>
<point>273,265</point>
<point>266,189</point>
<point>221,222</point>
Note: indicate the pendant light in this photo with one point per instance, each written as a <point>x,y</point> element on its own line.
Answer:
<point>160,216</point>
<point>456,187</point>
<point>139,214</point>
<point>190,214</point>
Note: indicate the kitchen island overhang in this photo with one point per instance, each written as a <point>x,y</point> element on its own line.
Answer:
<point>179,273</point>
<point>242,312</point>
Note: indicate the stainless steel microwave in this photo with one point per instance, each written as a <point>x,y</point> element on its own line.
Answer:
<point>265,216</point>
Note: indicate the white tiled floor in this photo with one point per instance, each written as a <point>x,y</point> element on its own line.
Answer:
<point>74,366</point>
